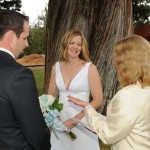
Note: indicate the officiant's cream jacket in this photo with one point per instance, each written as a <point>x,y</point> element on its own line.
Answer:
<point>127,125</point>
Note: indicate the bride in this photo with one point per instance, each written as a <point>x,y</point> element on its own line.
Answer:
<point>75,75</point>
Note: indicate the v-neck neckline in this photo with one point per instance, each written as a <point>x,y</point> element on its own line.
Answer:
<point>68,87</point>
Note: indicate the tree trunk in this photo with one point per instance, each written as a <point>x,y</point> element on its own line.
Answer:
<point>103,22</point>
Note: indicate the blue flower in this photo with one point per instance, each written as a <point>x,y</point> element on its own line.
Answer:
<point>50,109</point>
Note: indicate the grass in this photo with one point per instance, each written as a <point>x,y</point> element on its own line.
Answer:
<point>39,78</point>
<point>104,147</point>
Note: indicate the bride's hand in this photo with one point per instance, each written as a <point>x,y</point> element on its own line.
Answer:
<point>70,123</point>
<point>78,102</point>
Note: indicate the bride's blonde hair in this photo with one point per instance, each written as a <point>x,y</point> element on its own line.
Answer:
<point>84,55</point>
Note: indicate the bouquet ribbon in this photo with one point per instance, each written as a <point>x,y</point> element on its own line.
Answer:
<point>50,109</point>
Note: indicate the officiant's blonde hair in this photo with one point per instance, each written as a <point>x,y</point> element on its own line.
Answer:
<point>131,57</point>
<point>84,54</point>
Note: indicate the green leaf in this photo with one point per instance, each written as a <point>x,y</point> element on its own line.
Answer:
<point>56,105</point>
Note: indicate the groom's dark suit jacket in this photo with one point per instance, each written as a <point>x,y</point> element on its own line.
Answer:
<point>22,126</point>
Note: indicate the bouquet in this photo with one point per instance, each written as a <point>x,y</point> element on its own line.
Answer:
<point>51,107</point>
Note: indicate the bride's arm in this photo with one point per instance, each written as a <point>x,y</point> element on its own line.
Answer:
<point>70,123</point>
<point>52,90</point>
<point>95,87</point>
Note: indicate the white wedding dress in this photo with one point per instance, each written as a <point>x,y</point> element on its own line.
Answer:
<point>79,88</point>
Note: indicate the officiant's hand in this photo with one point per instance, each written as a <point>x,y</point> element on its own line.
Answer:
<point>77,101</point>
<point>70,123</point>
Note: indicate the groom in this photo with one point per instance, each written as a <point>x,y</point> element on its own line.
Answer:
<point>22,126</point>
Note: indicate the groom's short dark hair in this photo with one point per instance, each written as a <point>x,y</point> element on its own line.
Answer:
<point>11,20</point>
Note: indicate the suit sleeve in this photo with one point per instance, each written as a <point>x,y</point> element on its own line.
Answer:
<point>119,122</point>
<point>26,107</point>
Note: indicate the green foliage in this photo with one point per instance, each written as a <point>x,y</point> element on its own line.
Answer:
<point>36,41</point>
<point>11,4</point>
<point>141,11</point>
<point>37,36</point>
<point>56,105</point>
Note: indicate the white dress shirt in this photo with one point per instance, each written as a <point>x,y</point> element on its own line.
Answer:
<point>7,51</point>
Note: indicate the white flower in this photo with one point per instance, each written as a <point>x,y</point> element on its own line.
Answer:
<point>51,107</point>
<point>50,99</point>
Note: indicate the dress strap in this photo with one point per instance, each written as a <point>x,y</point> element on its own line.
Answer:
<point>57,65</point>
<point>88,64</point>
<point>86,67</point>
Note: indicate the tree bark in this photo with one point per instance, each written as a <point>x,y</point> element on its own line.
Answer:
<point>103,22</point>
